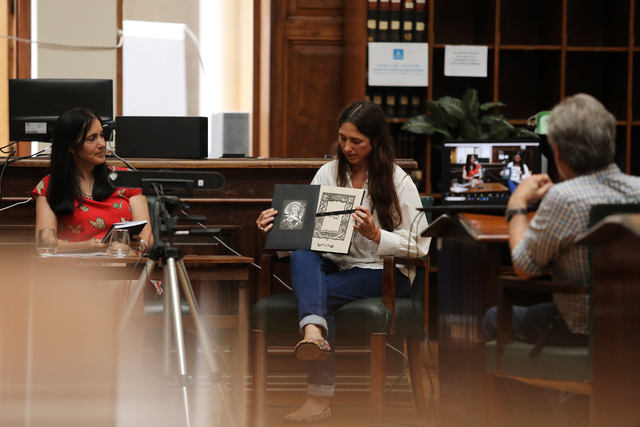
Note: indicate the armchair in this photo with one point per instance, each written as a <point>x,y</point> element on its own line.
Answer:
<point>373,317</point>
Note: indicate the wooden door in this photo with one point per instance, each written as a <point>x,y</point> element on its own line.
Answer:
<point>307,85</point>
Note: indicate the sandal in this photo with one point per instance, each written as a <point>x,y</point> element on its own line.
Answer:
<point>312,349</point>
<point>294,417</point>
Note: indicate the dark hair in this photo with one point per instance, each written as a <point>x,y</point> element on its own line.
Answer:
<point>370,120</point>
<point>585,133</point>
<point>467,165</point>
<point>70,131</point>
<point>513,159</point>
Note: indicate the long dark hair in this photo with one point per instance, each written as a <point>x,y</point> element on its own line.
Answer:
<point>467,166</point>
<point>513,159</point>
<point>369,119</point>
<point>70,131</point>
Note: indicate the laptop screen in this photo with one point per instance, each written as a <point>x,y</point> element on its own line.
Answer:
<point>486,172</point>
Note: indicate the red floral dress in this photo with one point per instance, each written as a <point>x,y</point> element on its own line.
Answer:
<point>92,219</point>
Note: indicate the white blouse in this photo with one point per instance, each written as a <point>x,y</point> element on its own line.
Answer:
<point>405,240</point>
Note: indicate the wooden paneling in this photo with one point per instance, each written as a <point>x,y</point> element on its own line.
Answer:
<point>306,76</point>
<point>312,124</point>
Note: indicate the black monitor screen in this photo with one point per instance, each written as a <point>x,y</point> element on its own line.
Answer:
<point>491,181</point>
<point>36,104</point>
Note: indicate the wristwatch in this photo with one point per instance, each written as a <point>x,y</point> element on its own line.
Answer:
<point>510,213</point>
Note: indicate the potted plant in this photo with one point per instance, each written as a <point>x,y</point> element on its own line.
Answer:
<point>465,118</point>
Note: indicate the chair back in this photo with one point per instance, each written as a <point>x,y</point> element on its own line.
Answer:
<point>600,212</point>
<point>417,288</point>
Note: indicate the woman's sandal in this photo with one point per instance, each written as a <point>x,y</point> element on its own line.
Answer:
<point>312,349</point>
<point>294,417</point>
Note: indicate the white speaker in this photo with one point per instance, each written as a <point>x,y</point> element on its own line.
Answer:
<point>229,135</point>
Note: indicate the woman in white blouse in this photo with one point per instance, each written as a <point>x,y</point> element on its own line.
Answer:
<point>322,282</point>
<point>519,171</point>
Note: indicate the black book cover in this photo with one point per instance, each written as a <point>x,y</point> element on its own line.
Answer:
<point>383,20</point>
<point>420,24</point>
<point>403,103</point>
<point>395,17</point>
<point>372,20</point>
<point>296,225</point>
<point>407,21</point>
<point>390,107</point>
<point>415,108</point>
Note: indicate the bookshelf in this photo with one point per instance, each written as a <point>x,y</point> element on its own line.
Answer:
<point>539,53</point>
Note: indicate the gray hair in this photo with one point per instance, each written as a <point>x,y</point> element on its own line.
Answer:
<point>584,132</point>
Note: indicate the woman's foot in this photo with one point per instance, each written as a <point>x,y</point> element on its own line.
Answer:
<point>316,408</point>
<point>313,331</point>
<point>313,346</point>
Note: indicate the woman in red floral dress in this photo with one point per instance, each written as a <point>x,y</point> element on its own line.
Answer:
<point>76,198</point>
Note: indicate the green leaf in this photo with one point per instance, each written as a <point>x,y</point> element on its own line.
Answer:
<point>526,133</point>
<point>454,107</point>
<point>499,130</point>
<point>424,124</point>
<point>488,105</point>
<point>470,98</point>
<point>468,131</point>
<point>437,114</point>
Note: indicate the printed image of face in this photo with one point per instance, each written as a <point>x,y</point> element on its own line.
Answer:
<point>92,151</point>
<point>355,146</point>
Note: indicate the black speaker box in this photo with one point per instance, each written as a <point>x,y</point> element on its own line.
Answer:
<point>162,137</point>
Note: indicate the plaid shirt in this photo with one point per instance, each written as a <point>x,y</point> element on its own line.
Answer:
<point>563,214</point>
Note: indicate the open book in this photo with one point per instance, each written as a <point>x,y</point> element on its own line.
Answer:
<point>134,227</point>
<point>300,225</point>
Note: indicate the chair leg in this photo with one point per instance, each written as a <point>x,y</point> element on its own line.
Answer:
<point>415,370</point>
<point>259,377</point>
<point>495,399</point>
<point>378,375</point>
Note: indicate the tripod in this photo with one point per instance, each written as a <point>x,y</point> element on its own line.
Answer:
<point>173,271</point>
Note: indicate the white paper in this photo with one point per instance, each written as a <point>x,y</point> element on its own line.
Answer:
<point>334,233</point>
<point>398,64</point>
<point>465,61</point>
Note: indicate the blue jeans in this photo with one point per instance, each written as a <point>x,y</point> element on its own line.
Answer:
<point>512,186</point>
<point>320,288</point>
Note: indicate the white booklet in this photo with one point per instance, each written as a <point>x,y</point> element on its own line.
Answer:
<point>313,217</point>
<point>134,227</point>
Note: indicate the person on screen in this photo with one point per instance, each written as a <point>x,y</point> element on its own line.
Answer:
<point>322,282</point>
<point>76,198</point>
<point>472,171</point>
<point>519,171</point>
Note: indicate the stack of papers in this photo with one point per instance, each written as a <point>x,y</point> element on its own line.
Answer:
<point>101,254</point>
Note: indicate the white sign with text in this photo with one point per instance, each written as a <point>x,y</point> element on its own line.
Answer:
<point>398,64</point>
<point>465,61</point>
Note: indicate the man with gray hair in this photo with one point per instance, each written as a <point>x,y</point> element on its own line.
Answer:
<point>582,135</point>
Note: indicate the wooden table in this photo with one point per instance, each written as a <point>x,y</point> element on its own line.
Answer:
<point>472,252</point>
<point>487,187</point>
<point>59,342</point>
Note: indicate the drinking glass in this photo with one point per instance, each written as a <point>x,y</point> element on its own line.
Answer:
<point>120,244</point>
<point>47,242</point>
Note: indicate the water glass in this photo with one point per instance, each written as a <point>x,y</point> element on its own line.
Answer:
<point>47,242</point>
<point>120,244</point>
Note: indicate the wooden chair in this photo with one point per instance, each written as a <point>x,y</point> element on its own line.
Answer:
<point>373,317</point>
<point>560,368</point>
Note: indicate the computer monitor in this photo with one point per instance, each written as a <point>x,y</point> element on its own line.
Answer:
<point>493,157</point>
<point>36,104</point>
